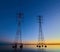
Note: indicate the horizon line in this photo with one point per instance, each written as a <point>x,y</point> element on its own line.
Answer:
<point>38,43</point>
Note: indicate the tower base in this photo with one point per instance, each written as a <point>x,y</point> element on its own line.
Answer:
<point>21,45</point>
<point>41,46</point>
<point>15,45</point>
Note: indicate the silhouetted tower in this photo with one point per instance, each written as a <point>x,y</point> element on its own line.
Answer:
<point>18,33</point>
<point>41,42</point>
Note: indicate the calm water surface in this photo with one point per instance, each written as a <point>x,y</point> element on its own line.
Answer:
<point>30,48</point>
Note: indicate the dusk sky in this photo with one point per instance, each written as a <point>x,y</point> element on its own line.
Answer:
<point>49,9</point>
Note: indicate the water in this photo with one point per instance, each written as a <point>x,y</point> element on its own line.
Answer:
<point>30,48</point>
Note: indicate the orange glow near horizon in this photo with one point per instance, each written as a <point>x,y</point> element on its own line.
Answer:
<point>47,41</point>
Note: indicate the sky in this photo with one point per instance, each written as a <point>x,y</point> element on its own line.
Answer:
<point>49,9</point>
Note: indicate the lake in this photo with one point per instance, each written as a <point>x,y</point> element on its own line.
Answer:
<point>30,48</point>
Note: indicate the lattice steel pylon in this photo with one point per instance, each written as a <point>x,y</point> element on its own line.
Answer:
<point>18,33</point>
<point>41,41</point>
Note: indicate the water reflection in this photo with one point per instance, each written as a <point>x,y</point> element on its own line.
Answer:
<point>15,50</point>
<point>50,48</point>
<point>18,50</point>
<point>30,50</point>
<point>21,50</point>
<point>41,50</point>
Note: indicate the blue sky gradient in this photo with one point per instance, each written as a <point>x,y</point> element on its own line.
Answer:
<point>49,9</point>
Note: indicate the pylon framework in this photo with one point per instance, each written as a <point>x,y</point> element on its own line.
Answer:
<point>18,33</point>
<point>41,42</point>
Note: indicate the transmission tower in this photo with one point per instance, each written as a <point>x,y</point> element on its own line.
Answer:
<point>18,33</point>
<point>40,36</point>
